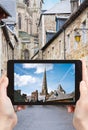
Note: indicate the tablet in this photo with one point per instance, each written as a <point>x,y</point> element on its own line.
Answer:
<point>43,82</point>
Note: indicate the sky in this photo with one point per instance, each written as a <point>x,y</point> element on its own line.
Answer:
<point>29,77</point>
<point>49,4</point>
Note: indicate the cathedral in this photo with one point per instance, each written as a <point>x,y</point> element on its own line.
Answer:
<point>57,95</point>
<point>28,14</point>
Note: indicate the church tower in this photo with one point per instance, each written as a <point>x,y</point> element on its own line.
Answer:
<point>44,84</point>
<point>35,9</point>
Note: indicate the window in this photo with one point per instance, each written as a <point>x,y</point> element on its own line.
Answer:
<point>59,23</point>
<point>36,50</point>
<point>84,32</point>
<point>11,26</point>
<point>19,20</point>
<point>49,36</point>
<point>26,54</point>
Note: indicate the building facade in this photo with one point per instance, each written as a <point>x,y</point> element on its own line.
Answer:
<point>51,21</point>
<point>63,44</point>
<point>8,38</point>
<point>3,14</point>
<point>28,14</point>
<point>23,26</point>
<point>7,47</point>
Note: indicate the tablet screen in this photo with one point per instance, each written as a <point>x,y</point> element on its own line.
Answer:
<point>34,82</point>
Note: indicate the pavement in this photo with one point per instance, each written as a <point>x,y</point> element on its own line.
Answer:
<point>44,118</point>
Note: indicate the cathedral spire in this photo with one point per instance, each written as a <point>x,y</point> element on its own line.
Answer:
<point>44,84</point>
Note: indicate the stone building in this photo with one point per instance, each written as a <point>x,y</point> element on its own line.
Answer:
<point>18,97</point>
<point>51,21</point>
<point>3,14</point>
<point>7,47</point>
<point>35,7</point>
<point>11,23</point>
<point>8,38</point>
<point>58,97</point>
<point>63,44</point>
<point>34,96</point>
<point>23,26</point>
<point>28,13</point>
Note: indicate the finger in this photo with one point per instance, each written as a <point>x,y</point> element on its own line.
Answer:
<point>3,76</point>
<point>71,109</point>
<point>3,87</point>
<point>84,71</point>
<point>83,89</point>
<point>19,108</point>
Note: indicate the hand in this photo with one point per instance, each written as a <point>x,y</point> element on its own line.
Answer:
<point>80,119</point>
<point>8,118</point>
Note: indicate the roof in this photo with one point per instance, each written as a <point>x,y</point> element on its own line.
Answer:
<point>62,17</point>
<point>10,6</point>
<point>61,96</point>
<point>2,9</point>
<point>6,34</point>
<point>62,7</point>
<point>81,8</point>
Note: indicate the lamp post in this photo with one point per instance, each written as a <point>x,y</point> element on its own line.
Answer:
<point>77,35</point>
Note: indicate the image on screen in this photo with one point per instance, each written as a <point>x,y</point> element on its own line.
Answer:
<point>46,82</point>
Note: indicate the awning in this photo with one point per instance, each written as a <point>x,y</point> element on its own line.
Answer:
<point>24,35</point>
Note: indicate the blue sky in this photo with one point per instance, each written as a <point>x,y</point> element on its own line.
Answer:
<point>29,77</point>
<point>49,4</point>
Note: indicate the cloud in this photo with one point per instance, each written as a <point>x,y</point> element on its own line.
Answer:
<point>24,80</point>
<point>50,89</point>
<point>39,67</point>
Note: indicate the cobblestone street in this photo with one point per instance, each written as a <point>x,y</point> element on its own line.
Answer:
<point>44,118</point>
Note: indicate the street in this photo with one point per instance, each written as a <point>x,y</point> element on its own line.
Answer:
<point>44,118</point>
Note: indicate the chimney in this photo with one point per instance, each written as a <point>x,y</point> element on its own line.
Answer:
<point>74,5</point>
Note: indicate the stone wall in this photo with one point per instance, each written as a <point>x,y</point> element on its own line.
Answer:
<point>63,47</point>
<point>7,53</point>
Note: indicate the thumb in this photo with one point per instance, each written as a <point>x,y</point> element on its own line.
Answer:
<point>83,89</point>
<point>3,86</point>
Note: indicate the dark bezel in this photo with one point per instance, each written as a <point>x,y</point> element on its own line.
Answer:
<point>10,74</point>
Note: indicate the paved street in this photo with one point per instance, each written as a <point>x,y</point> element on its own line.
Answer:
<point>44,118</point>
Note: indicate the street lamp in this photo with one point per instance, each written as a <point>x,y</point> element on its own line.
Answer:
<point>77,34</point>
<point>77,37</point>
